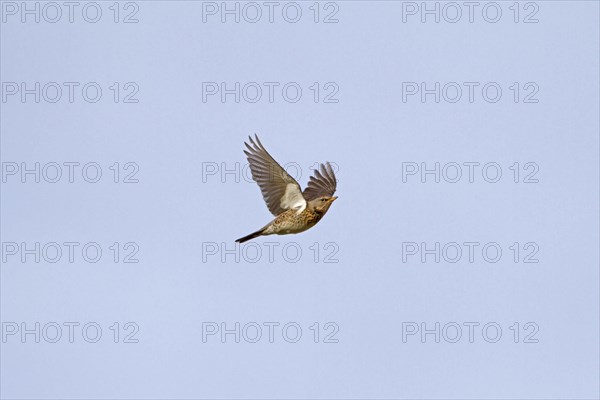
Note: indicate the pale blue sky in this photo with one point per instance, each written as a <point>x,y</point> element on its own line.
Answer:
<point>174,216</point>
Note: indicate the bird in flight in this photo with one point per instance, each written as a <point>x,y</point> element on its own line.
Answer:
<point>295,210</point>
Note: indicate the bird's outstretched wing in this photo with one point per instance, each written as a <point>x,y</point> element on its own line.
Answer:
<point>321,183</point>
<point>280,191</point>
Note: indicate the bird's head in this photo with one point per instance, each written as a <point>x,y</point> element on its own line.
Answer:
<point>322,203</point>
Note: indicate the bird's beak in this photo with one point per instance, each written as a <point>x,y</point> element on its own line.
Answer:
<point>333,198</point>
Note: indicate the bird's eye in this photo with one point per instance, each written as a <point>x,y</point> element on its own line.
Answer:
<point>323,199</point>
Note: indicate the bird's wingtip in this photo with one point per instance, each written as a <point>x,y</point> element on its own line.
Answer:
<point>258,140</point>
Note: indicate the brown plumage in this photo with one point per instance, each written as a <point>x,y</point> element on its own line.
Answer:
<point>295,210</point>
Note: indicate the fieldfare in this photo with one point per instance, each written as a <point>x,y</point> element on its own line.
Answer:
<point>295,210</point>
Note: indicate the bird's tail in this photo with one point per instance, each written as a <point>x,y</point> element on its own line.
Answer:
<point>250,236</point>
